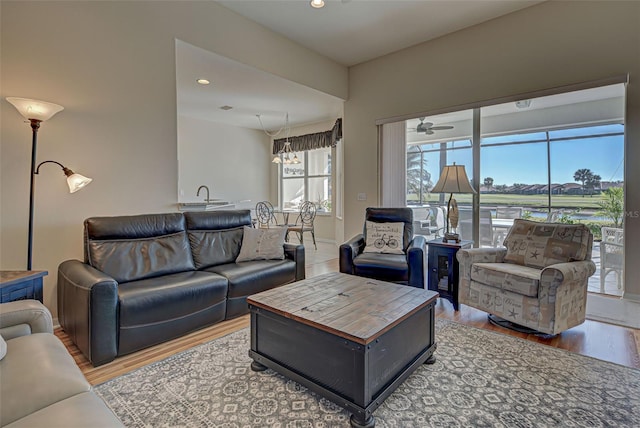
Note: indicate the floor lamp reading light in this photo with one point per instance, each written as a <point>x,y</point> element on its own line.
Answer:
<point>453,179</point>
<point>36,112</point>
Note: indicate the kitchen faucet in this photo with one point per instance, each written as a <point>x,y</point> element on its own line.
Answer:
<point>205,188</point>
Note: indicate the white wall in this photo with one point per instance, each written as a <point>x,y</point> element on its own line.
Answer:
<point>233,162</point>
<point>112,66</point>
<point>549,45</point>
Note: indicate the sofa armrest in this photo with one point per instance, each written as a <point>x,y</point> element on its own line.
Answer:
<point>569,273</point>
<point>31,313</point>
<point>467,257</point>
<point>348,251</point>
<point>562,295</point>
<point>88,310</point>
<point>295,252</point>
<point>416,260</point>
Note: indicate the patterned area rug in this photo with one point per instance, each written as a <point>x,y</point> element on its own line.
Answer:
<point>481,379</point>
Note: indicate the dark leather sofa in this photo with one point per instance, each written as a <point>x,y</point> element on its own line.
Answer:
<point>150,278</point>
<point>408,268</point>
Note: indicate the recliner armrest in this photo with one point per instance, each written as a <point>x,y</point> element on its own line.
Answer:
<point>28,312</point>
<point>295,252</point>
<point>348,251</point>
<point>416,259</point>
<point>88,310</point>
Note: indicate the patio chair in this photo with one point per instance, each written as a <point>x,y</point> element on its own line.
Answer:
<point>505,213</point>
<point>553,216</point>
<point>432,226</point>
<point>611,255</point>
<point>509,212</point>
<point>486,226</point>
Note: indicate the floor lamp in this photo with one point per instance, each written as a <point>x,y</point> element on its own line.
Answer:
<point>36,112</point>
<point>453,179</point>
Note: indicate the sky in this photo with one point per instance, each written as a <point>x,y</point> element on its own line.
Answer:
<point>527,163</point>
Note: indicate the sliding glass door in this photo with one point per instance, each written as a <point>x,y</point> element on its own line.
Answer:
<point>556,158</point>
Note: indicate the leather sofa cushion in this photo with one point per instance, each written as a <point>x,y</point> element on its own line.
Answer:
<point>519,279</point>
<point>157,300</point>
<point>385,267</point>
<point>256,276</point>
<point>130,248</point>
<point>36,372</point>
<point>215,236</point>
<point>80,411</point>
<point>215,247</point>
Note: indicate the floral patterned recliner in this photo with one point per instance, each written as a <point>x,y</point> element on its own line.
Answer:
<point>538,281</point>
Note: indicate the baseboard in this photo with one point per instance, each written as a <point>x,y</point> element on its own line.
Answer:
<point>326,241</point>
<point>613,310</point>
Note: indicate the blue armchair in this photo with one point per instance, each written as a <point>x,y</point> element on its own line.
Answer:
<point>386,258</point>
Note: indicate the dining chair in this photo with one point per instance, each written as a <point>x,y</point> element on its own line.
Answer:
<point>611,255</point>
<point>304,222</point>
<point>264,215</point>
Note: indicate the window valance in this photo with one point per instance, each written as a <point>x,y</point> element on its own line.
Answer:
<point>313,141</point>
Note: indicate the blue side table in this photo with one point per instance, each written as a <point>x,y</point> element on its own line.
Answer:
<point>21,284</point>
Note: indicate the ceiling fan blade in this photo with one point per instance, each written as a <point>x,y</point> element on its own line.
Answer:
<point>427,124</point>
<point>428,131</point>
<point>437,128</point>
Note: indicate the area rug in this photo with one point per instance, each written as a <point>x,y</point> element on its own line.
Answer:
<point>480,379</point>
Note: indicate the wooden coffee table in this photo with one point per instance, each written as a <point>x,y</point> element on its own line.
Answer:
<point>350,339</point>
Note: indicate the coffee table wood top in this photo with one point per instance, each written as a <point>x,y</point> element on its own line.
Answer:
<point>355,308</point>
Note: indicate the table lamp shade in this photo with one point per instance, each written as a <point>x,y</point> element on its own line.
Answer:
<point>34,109</point>
<point>453,179</point>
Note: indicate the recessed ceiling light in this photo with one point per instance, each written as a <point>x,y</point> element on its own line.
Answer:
<point>317,3</point>
<point>203,81</point>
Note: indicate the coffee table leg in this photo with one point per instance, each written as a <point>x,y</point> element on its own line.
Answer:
<point>431,360</point>
<point>356,422</point>
<point>257,367</point>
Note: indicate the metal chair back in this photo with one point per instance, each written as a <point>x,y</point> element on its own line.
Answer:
<point>264,214</point>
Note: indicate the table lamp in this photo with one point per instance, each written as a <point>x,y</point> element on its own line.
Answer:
<point>453,179</point>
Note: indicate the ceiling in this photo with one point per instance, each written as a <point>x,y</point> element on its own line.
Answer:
<point>354,31</point>
<point>248,91</point>
<point>347,31</point>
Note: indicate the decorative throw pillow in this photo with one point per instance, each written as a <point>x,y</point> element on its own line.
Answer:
<point>384,238</point>
<point>262,244</point>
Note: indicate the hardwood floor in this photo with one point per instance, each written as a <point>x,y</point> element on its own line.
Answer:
<point>595,339</point>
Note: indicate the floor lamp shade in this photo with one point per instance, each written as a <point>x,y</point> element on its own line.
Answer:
<point>35,112</point>
<point>77,182</point>
<point>34,109</point>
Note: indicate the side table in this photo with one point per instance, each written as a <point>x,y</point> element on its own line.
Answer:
<point>443,268</point>
<point>21,284</point>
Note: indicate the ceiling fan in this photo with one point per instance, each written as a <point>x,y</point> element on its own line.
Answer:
<point>428,128</point>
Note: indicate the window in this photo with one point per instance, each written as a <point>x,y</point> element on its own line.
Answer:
<point>558,158</point>
<point>310,180</point>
